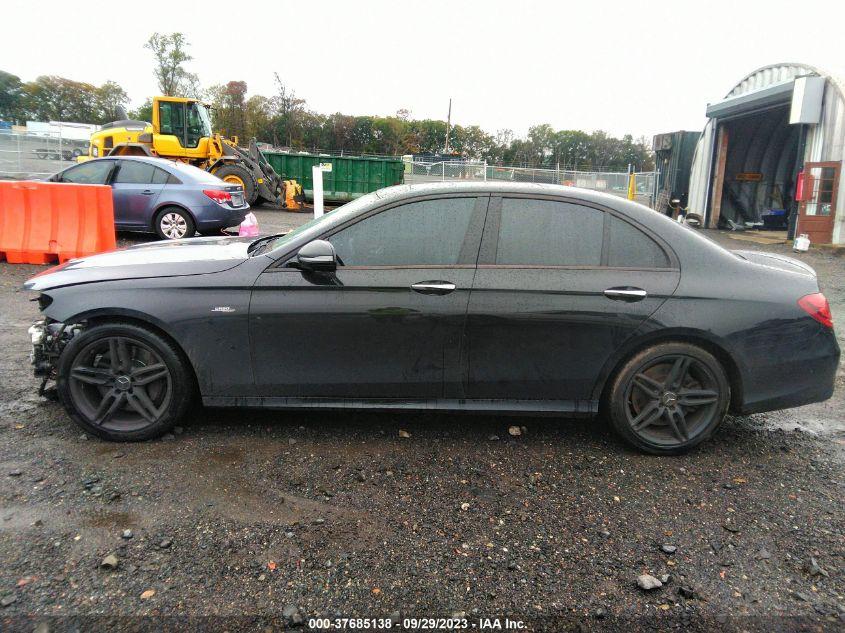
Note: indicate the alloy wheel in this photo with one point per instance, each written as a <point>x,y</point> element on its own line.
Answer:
<point>120,383</point>
<point>671,400</point>
<point>173,225</point>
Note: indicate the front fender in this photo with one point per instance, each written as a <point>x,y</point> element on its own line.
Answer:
<point>208,320</point>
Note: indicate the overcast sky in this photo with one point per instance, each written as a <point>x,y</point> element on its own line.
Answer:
<point>625,67</point>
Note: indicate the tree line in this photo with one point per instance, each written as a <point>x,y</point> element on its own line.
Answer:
<point>284,120</point>
<point>52,98</point>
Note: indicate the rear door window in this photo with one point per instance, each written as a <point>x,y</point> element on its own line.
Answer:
<point>631,248</point>
<point>424,233</point>
<point>134,172</point>
<point>549,233</point>
<point>161,177</point>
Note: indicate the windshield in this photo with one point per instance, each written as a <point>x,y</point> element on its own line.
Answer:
<point>319,225</point>
<point>201,113</point>
<point>281,240</point>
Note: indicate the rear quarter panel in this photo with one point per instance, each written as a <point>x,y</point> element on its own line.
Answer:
<point>751,312</point>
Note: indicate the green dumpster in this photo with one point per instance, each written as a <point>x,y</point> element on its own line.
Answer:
<point>351,176</point>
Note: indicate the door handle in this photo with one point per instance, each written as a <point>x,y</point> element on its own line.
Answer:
<point>433,287</point>
<point>147,192</point>
<point>626,294</point>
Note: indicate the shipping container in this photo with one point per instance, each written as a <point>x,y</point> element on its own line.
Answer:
<point>673,153</point>
<point>350,176</point>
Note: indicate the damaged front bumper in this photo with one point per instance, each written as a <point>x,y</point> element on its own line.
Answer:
<point>48,339</point>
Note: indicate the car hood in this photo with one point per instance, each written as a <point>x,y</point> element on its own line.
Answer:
<point>195,256</point>
<point>776,260</point>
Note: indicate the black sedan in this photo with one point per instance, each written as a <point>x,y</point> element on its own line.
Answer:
<point>485,297</point>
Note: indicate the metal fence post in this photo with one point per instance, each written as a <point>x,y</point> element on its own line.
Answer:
<point>654,188</point>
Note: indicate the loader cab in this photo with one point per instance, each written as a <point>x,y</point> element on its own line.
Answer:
<point>182,127</point>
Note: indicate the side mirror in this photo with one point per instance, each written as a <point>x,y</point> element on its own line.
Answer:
<point>318,255</point>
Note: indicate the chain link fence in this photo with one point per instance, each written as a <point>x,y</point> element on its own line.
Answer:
<point>616,183</point>
<point>41,154</point>
<point>37,155</point>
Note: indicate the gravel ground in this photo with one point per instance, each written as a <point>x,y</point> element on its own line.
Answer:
<point>267,519</point>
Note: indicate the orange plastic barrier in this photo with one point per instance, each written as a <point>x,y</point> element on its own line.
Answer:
<point>44,221</point>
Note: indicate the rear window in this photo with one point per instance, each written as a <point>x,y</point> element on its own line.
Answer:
<point>161,177</point>
<point>134,172</point>
<point>631,248</point>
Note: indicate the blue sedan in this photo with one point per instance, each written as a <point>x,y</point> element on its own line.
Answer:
<point>154,195</point>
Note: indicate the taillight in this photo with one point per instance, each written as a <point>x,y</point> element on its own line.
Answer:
<point>218,195</point>
<point>816,306</point>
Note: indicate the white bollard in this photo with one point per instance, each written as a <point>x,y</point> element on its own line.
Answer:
<point>317,175</point>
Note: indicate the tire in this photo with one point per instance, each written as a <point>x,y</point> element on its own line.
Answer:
<point>174,223</point>
<point>239,175</point>
<point>668,398</point>
<point>124,383</point>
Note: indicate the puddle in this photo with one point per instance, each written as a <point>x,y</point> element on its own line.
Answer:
<point>14,517</point>
<point>824,419</point>
<point>226,456</point>
<point>111,520</point>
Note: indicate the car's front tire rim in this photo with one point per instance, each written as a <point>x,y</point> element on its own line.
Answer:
<point>672,400</point>
<point>120,384</point>
<point>173,225</point>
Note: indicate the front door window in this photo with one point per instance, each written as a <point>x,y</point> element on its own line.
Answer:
<point>425,233</point>
<point>95,172</point>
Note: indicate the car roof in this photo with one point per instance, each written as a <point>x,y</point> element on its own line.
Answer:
<point>698,250</point>
<point>672,232</point>
<point>177,168</point>
<point>497,187</point>
<point>154,160</point>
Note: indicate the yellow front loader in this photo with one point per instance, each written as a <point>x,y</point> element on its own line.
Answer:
<point>181,130</point>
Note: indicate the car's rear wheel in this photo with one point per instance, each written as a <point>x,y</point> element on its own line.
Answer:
<point>669,398</point>
<point>173,223</point>
<point>122,382</point>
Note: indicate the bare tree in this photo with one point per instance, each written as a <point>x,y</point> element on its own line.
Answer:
<point>170,52</point>
<point>289,111</point>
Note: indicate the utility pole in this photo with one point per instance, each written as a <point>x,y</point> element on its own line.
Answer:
<point>448,127</point>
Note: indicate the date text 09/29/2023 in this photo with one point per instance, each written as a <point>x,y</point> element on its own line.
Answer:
<point>416,624</point>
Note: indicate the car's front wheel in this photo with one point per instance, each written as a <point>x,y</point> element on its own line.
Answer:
<point>173,223</point>
<point>123,382</point>
<point>669,398</point>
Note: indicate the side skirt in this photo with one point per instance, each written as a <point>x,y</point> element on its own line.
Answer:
<point>574,408</point>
